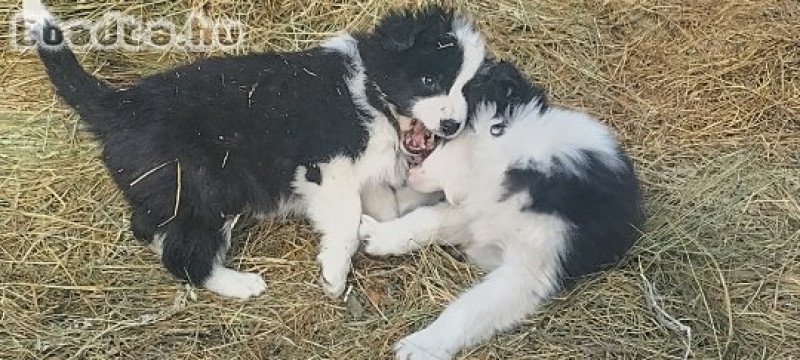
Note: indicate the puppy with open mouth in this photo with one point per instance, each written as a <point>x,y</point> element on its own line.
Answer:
<point>312,132</point>
<point>536,195</point>
<point>418,141</point>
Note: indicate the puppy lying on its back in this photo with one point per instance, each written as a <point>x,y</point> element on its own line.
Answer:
<point>537,196</point>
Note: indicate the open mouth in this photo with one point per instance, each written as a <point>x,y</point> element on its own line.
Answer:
<point>418,142</point>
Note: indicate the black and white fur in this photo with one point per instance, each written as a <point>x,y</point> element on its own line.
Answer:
<point>537,196</point>
<point>309,132</point>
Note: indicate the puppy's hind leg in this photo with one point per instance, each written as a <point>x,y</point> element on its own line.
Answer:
<point>503,299</point>
<point>194,249</point>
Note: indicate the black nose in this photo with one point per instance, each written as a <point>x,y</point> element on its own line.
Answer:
<point>449,127</point>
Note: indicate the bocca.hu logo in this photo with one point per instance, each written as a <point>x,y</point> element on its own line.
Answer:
<point>118,31</point>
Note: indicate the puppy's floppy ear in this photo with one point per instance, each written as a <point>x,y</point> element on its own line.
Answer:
<point>398,30</point>
<point>508,79</point>
<point>510,84</point>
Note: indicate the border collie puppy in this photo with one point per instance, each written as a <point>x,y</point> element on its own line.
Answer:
<point>537,196</point>
<point>309,132</point>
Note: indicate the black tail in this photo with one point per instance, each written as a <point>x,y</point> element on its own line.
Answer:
<point>78,88</point>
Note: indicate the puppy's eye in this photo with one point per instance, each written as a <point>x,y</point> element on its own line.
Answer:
<point>497,129</point>
<point>429,82</point>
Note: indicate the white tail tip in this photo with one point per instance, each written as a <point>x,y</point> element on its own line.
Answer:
<point>34,12</point>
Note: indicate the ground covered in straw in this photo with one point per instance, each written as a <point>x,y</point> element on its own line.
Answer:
<point>704,94</point>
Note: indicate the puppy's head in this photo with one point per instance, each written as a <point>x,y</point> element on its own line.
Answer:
<point>495,96</point>
<point>422,60</point>
<point>504,87</point>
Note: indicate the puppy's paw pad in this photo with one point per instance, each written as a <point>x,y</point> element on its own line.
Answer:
<point>235,284</point>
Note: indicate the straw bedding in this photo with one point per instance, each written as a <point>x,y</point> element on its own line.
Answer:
<point>704,94</point>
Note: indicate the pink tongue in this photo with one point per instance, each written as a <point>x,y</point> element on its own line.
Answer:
<point>417,139</point>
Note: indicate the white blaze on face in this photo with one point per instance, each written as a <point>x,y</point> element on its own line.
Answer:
<point>453,105</point>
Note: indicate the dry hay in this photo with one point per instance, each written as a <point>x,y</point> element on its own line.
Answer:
<point>703,93</point>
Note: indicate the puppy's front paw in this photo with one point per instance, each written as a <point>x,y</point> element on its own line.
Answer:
<point>383,239</point>
<point>235,284</point>
<point>419,346</point>
<point>333,288</point>
<point>334,273</point>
